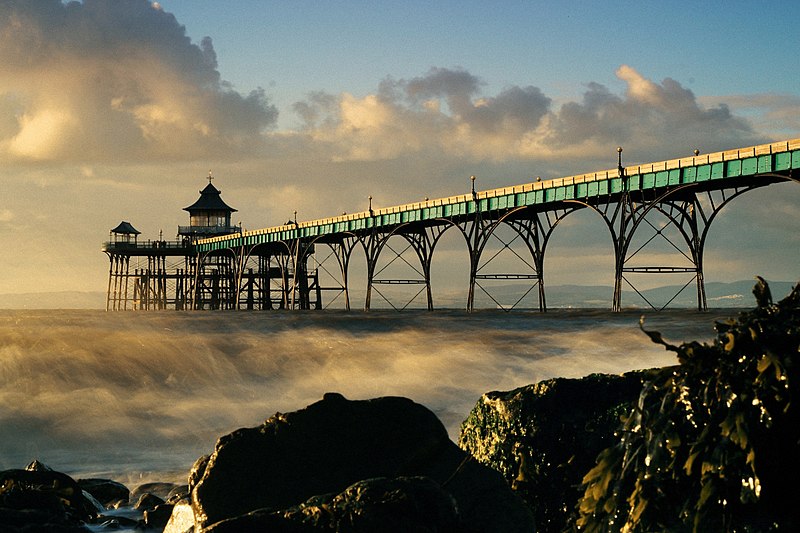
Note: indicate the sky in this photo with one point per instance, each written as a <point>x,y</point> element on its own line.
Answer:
<point>117,110</point>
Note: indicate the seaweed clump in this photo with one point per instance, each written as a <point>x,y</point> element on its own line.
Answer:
<point>714,443</point>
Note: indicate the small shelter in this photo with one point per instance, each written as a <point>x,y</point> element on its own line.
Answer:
<point>209,215</point>
<point>124,232</point>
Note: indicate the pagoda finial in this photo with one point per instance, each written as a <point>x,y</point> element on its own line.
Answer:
<point>210,177</point>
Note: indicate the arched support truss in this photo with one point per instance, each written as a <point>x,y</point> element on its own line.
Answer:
<point>689,210</point>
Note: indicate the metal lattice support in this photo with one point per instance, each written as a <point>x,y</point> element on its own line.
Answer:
<point>341,252</point>
<point>419,239</point>
<point>531,228</point>
<point>688,209</point>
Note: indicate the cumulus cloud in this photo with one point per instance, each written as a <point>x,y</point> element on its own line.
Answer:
<point>778,114</point>
<point>445,112</point>
<point>115,80</point>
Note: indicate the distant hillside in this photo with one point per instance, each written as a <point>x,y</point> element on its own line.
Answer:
<point>719,295</point>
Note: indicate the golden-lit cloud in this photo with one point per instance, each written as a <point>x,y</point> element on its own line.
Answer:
<point>444,113</point>
<point>115,81</point>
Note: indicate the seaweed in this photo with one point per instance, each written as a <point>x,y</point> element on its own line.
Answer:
<point>712,444</point>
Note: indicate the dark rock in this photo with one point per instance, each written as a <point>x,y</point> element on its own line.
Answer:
<point>116,522</point>
<point>38,466</point>
<point>106,491</point>
<point>544,437</point>
<point>160,489</point>
<point>158,516</point>
<point>335,443</point>
<point>396,505</point>
<point>180,492</point>
<point>148,502</point>
<point>41,499</point>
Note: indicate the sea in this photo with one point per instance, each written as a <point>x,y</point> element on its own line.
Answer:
<point>139,396</point>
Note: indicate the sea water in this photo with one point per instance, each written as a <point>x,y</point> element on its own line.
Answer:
<point>139,396</point>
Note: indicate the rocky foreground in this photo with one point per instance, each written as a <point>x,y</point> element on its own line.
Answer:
<point>711,444</point>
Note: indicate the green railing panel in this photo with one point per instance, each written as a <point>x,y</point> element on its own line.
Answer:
<point>749,166</point>
<point>689,174</point>
<point>648,181</point>
<point>662,178</point>
<point>569,192</point>
<point>733,168</point>
<point>796,159</point>
<point>602,187</point>
<point>581,190</point>
<point>704,173</point>
<point>561,193</point>
<point>635,182</point>
<point>765,163</point>
<point>674,177</point>
<point>783,161</point>
<point>492,203</point>
<point>470,207</point>
<point>616,184</point>
<point>717,170</point>
<point>502,202</point>
<point>549,195</point>
<point>592,188</point>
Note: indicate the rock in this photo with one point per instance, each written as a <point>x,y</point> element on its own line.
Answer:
<point>396,505</point>
<point>38,466</point>
<point>35,521</point>
<point>148,502</point>
<point>158,488</point>
<point>180,492</point>
<point>158,516</point>
<point>182,518</point>
<point>544,437</point>
<point>42,499</point>
<point>106,491</point>
<point>334,443</point>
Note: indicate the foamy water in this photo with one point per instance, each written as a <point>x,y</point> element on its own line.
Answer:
<point>138,396</point>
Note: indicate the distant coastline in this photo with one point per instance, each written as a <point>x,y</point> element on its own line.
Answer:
<point>737,294</point>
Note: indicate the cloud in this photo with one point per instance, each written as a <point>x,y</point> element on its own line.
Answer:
<point>777,114</point>
<point>444,112</point>
<point>116,80</point>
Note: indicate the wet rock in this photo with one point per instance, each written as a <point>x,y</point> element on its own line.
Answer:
<point>388,505</point>
<point>182,518</point>
<point>544,437</point>
<point>334,443</point>
<point>42,499</point>
<point>148,502</point>
<point>158,516</point>
<point>158,488</point>
<point>106,491</point>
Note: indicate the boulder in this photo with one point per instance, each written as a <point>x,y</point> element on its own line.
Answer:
<point>148,502</point>
<point>395,505</point>
<point>158,488</point>
<point>334,443</point>
<point>106,491</point>
<point>544,437</point>
<point>42,499</point>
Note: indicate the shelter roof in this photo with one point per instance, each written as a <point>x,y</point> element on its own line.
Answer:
<point>210,200</point>
<point>126,228</point>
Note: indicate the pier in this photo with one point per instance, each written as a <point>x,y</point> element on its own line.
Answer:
<point>214,265</point>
